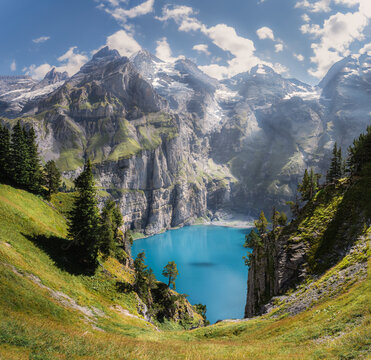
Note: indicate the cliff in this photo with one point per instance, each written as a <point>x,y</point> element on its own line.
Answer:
<point>291,265</point>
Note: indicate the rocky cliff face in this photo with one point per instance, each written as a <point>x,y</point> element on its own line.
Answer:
<point>172,144</point>
<point>333,228</point>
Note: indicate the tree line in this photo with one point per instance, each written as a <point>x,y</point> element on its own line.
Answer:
<point>20,163</point>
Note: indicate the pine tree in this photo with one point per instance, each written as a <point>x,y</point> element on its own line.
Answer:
<point>335,171</point>
<point>170,271</point>
<point>261,224</point>
<point>252,240</point>
<point>18,156</point>
<point>111,220</point>
<point>360,152</point>
<point>309,186</point>
<point>4,152</point>
<point>34,174</point>
<point>282,220</point>
<point>52,177</point>
<point>84,219</point>
<point>140,283</point>
<point>275,217</point>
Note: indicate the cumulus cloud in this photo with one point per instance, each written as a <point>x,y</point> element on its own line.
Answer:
<point>123,42</point>
<point>278,48</point>
<point>223,36</point>
<point>71,62</point>
<point>305,18</point>
<point>121,15</point>
<point>366,49</point>
<point>13,66</point>
<point>183,16</point>
<point>299,57</point>
<point>41,39</point>
<point>317,6</point>
<point>336,34</point>
<point>202,48</point>
<point>265,33</point>
<point>163,50</point>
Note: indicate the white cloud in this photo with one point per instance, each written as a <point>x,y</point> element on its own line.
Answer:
<point>163,50</point>
<point>183,16</point>
<point>305,18</point>
<point>366,49</point>
<point>124,43</point>
<point>223,36</point>
<point>278,48</point>
<point>336,35</point>
<point>317,6</point>
<point>202,48</point>
<point>38,72</point>
<point>122,15</point>
<point>70,62</point>
<point>41,39</point>
<point>299,57</point>
<point>265,33</point>
<point>13,66</point>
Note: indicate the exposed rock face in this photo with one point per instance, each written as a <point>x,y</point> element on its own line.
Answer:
<point>330,228</point>
<point>172,144</point>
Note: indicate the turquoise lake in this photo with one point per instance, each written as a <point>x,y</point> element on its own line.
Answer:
<point>210,265</point>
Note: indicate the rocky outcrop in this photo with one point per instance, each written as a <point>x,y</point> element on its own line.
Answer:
<point>330,229</point>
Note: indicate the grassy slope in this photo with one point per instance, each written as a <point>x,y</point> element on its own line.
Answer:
<point>34,325</point>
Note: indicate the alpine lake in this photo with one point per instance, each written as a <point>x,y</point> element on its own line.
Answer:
<point>210,264</point>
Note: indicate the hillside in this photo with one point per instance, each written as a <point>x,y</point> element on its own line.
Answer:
<point>47,312</point>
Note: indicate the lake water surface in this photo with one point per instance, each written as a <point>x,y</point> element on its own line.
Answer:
<point>210,265</point>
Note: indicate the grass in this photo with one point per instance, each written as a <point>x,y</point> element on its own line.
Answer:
<point>35,325</point>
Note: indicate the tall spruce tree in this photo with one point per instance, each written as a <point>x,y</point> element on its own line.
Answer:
<point>309,185</point>
<point>360,152</point>
<point>84,220</point>
<point>19,156</point>
<point>4,152</point>
<point>34,174</point>
<point>52,177</point>
<point>171,272</point>
<point>335,171</point>
<point>261,224</point>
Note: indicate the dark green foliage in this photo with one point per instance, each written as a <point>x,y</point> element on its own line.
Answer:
<point>110,222</point>
<point>52,177</point>
<point>261,224</point>
<point>335,171</point>
<point>18,156</point>
<point>4,152</point>
<point>252,240</point>
<point>360,152</point>
<point>140,283</point>
<point>83,224</point>
<point>170,271</point>
<point>282,219</point>
<point>275,217</point>
<point>34,174</point>
<point>201,309</point>
<point>129,236</point>
<point>309,186</point>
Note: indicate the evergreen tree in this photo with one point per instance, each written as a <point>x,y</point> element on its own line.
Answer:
<point>19,156</point>
<point>84,219</point>
<point>360,152</point>
<point>111,220</point>
<point>170,271</point>
<point>33,169</point>
<point>309,186</point>
<point>52,177</point>
<point>275,217</point>
<point>335,171</point>
<point>282,220</point>
<point>252,240</point>
<point>261,224</point>
<point>140,283</point>
<point>4,152</point>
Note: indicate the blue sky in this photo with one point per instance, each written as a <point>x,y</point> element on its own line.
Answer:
<point>298,38</point>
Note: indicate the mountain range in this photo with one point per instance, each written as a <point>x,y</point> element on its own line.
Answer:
<point>172,144</point>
